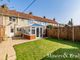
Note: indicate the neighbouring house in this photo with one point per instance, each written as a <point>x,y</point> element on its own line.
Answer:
<point>23,25</point>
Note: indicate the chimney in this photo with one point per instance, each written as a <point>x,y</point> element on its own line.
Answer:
<point>4,6</point>
<point>54,19</point>
<point>30,13</point>
<point>44,17</point>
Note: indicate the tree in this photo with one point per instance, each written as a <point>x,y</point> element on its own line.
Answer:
<point>50,26</point>
<point>70,22</point>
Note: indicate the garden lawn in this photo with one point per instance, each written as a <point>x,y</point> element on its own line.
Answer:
<point>40,50</point>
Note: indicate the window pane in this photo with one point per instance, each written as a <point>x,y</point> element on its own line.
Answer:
<point>12,30</point>
<point>11,18</point>
<point>33,31</point>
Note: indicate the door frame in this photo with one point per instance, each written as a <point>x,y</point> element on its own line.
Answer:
<point>38,32</point>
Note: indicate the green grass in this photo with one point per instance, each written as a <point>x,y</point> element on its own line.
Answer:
<point>46,49</point>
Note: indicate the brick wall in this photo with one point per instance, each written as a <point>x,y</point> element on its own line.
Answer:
<point>29,37</point>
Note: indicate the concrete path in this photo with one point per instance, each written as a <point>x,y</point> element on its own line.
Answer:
<point>3,50</point>
<point>6,47</point>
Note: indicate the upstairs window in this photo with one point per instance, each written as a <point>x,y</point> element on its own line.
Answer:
<point>12,18</point>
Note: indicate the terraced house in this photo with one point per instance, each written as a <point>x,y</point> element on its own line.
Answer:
<point>23,25</point>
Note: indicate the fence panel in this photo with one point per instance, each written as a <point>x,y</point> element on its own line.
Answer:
<point>65,33</point>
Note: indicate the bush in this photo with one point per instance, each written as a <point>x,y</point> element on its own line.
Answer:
<point>50,26</point>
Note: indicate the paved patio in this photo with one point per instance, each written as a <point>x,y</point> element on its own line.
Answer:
<point>6,47</point>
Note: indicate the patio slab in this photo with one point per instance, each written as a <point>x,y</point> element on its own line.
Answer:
<point>6,47</point>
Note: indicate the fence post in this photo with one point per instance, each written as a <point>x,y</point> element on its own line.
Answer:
<point>73,33</point>
<point>58,31</point>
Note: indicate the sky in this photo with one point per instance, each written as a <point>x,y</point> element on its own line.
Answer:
<point>61,10</point>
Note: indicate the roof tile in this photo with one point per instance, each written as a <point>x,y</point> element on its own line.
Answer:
<point>24,15</point>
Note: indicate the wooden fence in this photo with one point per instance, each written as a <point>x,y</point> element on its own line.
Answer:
<point>2,33</point>
<point>65,33</point>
